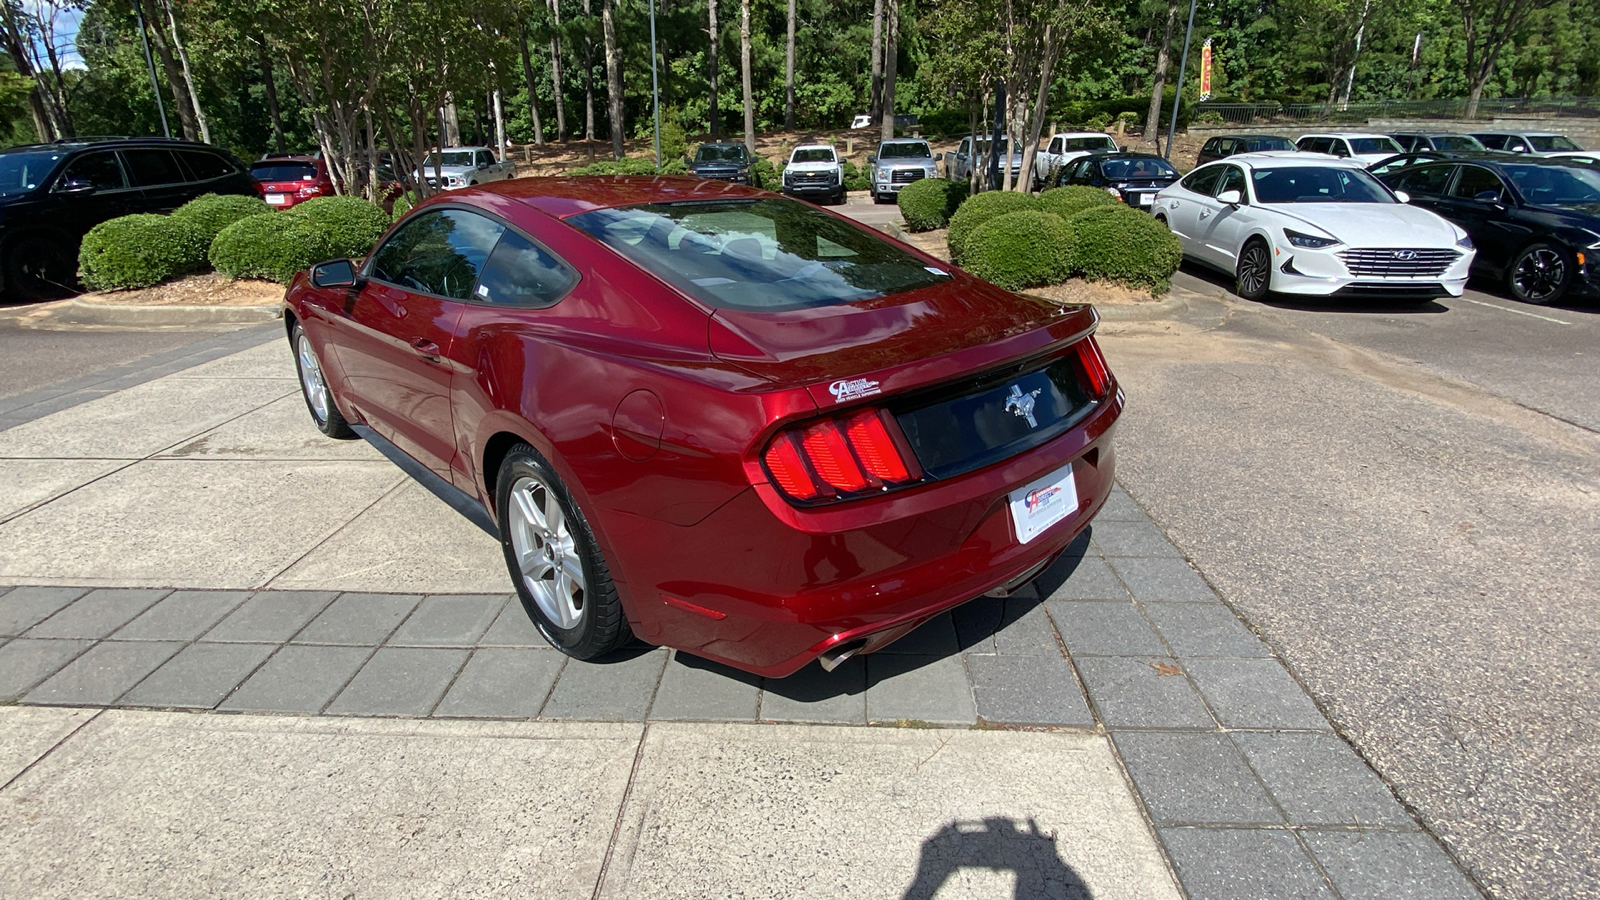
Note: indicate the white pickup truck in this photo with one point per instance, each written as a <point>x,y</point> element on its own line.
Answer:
<point>1065,147</point>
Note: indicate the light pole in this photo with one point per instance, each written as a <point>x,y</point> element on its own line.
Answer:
<point>1183,67</point>
<point>655,93</point>
<point>154,87</point>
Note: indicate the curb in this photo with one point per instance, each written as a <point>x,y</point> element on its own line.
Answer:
<point>78,311</point>
<point>1140,312</point>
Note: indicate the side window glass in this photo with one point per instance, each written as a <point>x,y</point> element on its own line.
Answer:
<point>1480,184</point>
<point>205,166</point>
<point>99,169</point>
<point>1428,181</point>
<point>966,146</point>
<point>1055,145</point>
<point>153,167</point>
<point>522,273</point>
<point>1203,181</point>
<point>438,253</point>
<point>484,159</point>
<point>1232,180</point>
<point>1226,148</point>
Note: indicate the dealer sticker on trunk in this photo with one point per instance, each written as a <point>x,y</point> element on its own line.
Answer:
<point>853,389</point>
<point>1042,503</point>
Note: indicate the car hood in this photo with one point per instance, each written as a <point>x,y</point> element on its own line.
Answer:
<point>963,321</point>
<point>718,164</point>
<point>1373,224</point>
<point>906,163</point>
<point>811,167</point>
<point>447,171</point>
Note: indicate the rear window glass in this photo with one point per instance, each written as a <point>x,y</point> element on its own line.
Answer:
<point>1131,169</point>
<point>770,254</point>
<point>206,166</point>
<point>151,167</point>
<point>1374,145</point>
<point>1456,142</point>
<point>284,171</point>
<point>1263,144</point>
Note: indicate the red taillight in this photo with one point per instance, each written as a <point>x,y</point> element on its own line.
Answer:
<point>310,191</point>
<point>1094,368</point>
<point>846,455</point>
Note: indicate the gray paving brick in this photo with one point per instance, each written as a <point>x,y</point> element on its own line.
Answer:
<point>103,673</point>
<point>24,607</point>
<point>1318,780</point>
<point>298,679</point>
<point>1234,863</point>
<point>1115,538</point>
<point>365,619</point>
<point>1026,630</point>
<point>1253,693</point>
<point>24,663</point>
<point>699,690</point>
<point>936,637</point>
<point>450,621</point>
<point>1405,866</point>
<point>200,676</point>
<point>270,617</point>
<point>1119,507</point>
<point>1028,690</point>
<point>513,628</point>
<point>920,689</point>
<point>812,695</point>
<point>96,614</point>
<point>1105,628</point>
<point>400,681</point>
<point>181,616</point>
<point>1162,579</point>
<point>1204,629</point>
<point>502,683</point>
<point>1142,692</point>
<point>1085,577</point>
<point>611,691</point>
<point>976,622</point>
<point>1194,778</point>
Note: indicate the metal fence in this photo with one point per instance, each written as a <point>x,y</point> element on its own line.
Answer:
<point>1268,113</point>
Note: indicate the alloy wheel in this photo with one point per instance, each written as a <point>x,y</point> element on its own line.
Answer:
<point>1539,275</point>
<point>311,380</point>
<point>1253,271</point>
<point>546,551</point>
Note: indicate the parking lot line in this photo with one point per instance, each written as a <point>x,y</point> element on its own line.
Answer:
<point>1520,312</point>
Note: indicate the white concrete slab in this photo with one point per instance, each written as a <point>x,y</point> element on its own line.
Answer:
<point>145,804</point>
<point>410,542</point>
<point>28,732</point>
<point>28,482</point>
<point>190,523</point>
<point>280,430</point>
<point>823,812</point>
<point>270,360</point>
<point>141,420</point>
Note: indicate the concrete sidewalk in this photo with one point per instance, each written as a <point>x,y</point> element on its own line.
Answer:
<point>190,542</point>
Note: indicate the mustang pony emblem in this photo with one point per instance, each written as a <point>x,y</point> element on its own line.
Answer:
<point>1022,404</point>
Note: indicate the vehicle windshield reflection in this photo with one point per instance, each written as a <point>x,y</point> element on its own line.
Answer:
<point>1317,184</point>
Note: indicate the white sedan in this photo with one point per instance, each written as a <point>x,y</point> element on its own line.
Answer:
<point>1312,226</point>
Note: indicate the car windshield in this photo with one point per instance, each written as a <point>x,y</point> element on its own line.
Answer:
<point>766,255</point>
<point>1317,184</point>
<point>283,171</point>
<point>23,172</point>
<point>1456,142</point>
<point>816,154</point>
<point>1374,145</point>
<point>905,151</point>
<point>1272,143</point>
<point>712,153</point>
<point>1136,169</point>
<point>1088,143</point>
<point>1570,187</point>
<point>1549,143</point>
<point>983,146</point>
<point>449,158</point>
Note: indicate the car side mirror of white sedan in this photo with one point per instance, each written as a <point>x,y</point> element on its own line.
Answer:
<point>1230,198</point>
<point>1402,196</point>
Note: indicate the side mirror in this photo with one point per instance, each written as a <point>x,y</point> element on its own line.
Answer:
<point>75,186</point>
<point>1403,197</point>
<point>335,273</point>
<point>872,158</point>
<point>1231,198</point>
<point>938,157</point>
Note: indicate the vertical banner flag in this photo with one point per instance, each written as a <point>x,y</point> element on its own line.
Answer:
<point>1205,71</point>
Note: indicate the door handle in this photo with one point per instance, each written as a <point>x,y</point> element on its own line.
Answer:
<point>425,347</point>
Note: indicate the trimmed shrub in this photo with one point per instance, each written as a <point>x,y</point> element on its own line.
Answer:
<point>352,224</point>
<point>929,203</point>
<point>854,178</point>
<point>981,208</point>
<point>273,246</point>
<point>674,166</point>
<point>1020,250</point>
<point>140,250</point>
<point>1121,244</point>
<point>211,213</point>
<point>1068,201</point>
<point>402,205</point>
<point>765,174</point>
<point>628,165</point>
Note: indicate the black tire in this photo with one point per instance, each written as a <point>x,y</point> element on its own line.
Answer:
<point>881,198</point>
<point>40,268</point>
<point>1253,277</point>
<point>324,409</point>
<point>600,625</point>
<point>1540,274</point>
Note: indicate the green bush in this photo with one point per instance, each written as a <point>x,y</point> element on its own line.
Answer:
<point>674,166</point>
<point>929,203</point>
<point>628,165</point>
<point>212,213</point>
<point>1068,201</point>
<point>980,209</point>
<point>352,224</point>
<point>765,174</point>
<point>854,178</point>
<point>1122,244</point>
<point>273,246</point>
<point>140,250</point>
<point>1020,250</point>
<point>1098,122</point>
<point>402,205</point>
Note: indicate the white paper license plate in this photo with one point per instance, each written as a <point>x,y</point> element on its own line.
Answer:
<point>276,199</point>
<point>1146,199</point>
<point>1042,503</point>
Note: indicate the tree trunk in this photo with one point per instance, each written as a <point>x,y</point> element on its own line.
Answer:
<point>16,46</point>
<point>891,64</point>
<point>271,86</point>
<point>527,78</point>
<point>588,76</point>
<point>188,75</point>
<point>449,123</point>
<point>1152,120</point>
<point>175,82</point>
<point>500,128</point>
<point>716,113</point>
<point>744,71</point>
<point>1474,95</point>
<point>613,75</point>
<point>1041,104</point>
<point>875,98</point>
<point>788,76</point>
<point>555,72</point>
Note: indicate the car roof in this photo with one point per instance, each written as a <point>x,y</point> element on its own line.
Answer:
<point>814,147</point>
<point>471,147</point>
<point>722,143</point>
<point>1341,134</point>
<point>1126,154</point>
<point>68,145</point>
<point>904,141</point>
<point>1520,133</point>
<point>1079,134</point>
<point>1249,137</point>
<point>565,195</point>
<point>287,157</point>
<point>1281,158</point>
<point>1430,134</point>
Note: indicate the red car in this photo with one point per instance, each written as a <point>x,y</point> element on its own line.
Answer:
<point>712,417</point>
<point>285,180</point>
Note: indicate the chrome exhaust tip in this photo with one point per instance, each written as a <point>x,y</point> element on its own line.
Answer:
<point>833,657</point>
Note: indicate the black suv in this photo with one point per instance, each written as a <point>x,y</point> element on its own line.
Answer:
<point>1225,145</point>
<point>52,194</point>
<point>725,162</point>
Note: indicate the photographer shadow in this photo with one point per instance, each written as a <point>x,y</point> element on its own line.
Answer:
<point>997,844</point>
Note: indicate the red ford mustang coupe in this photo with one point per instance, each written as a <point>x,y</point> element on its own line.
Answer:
<point>712,417</point>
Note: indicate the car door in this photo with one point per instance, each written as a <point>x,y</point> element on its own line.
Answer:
<point>163,185</point>
<point>1425,185</point>
<point>1182,208</point>
<point>91,189</point>
<point>1226,227</point>
<point>1485,207</point>
<point>397,329</point>
<point>956,166</point>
